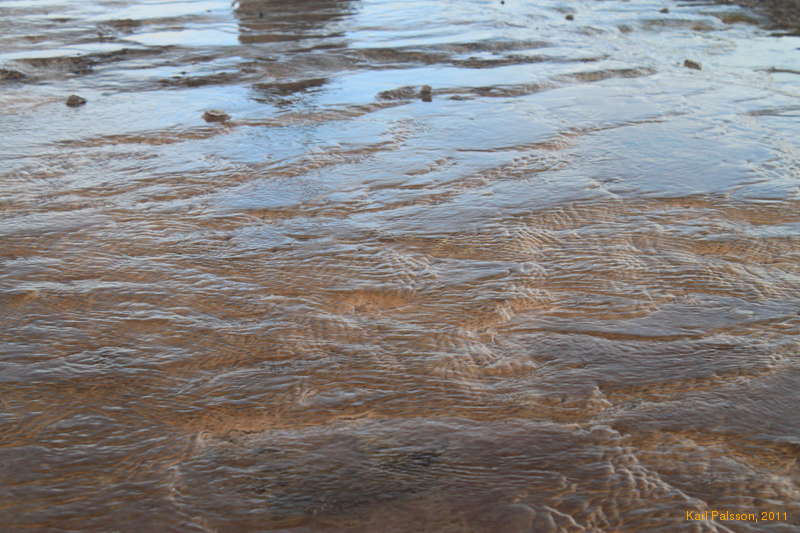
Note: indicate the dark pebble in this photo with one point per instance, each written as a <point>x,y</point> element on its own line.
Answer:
<point>215,115</point>
<point>426,93</point>
<point>75,101</point>
<point>692,64</point>
<point>570,17</point>
<point>664,10</point>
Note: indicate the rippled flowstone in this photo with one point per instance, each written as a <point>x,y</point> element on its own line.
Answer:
<point>215,115</point>
<point>692,64</point>
<point>75,101</point>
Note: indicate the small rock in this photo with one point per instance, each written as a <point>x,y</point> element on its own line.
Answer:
<point>215,115</point>
<point>570,17</point>
<point>664,10</point>
<point>692,64</point>
<point>75,101</point>
<point>426,93</point>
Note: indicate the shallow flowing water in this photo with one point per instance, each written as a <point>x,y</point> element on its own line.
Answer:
<point>559,292</point>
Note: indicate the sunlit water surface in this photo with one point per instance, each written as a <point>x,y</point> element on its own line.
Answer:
<point>562,295</point>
